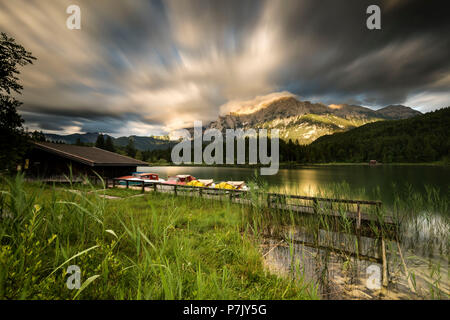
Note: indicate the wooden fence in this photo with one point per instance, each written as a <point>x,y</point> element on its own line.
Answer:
<point>278,201</point>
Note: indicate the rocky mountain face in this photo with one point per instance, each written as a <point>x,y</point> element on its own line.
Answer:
<point>306,121</point>
<point>397,112</point>
<point>297,120</point>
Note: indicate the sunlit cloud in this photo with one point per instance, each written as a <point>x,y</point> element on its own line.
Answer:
<point>150,67</point>
<point>252,105</point>
<point>425,102</point>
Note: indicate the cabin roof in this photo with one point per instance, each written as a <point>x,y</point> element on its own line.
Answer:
<point>91,156</point>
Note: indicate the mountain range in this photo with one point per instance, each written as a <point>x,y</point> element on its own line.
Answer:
<point>306,121</point>
<point>297,120</point>
<point>419,139</point>
<point>140,142</point>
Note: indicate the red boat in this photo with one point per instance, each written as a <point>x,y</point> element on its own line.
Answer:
<point>137,178</point>
<point>181,179</point>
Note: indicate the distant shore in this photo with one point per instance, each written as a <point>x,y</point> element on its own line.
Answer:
<point>287,165</point>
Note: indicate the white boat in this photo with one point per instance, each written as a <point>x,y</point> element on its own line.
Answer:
<point>207,182</point>
<point>239,185</point>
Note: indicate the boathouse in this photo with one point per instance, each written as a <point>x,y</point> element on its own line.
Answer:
<point>52,160</point>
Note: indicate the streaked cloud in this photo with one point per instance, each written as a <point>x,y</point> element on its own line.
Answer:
<point>149,67</point>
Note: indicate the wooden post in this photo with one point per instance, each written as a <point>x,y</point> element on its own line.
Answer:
<point>143,187</point>
<point>154,187</point>
<point>383,257</point>
<point>316,205</point>
<point>175,189</point>
<point>358,221</point>
<point>200,192</point>
<point>127,183</point>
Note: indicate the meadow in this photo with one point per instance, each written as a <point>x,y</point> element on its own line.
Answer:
<point>130,245</point>
<point>154,246</point>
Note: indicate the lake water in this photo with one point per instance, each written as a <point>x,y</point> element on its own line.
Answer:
<point>422,239</point>
<point>362,180</point>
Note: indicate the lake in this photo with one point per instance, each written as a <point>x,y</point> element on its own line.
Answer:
<point>419,250</point>
<point>362,180</point>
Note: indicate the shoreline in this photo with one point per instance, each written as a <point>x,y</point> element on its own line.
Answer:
<point>303,165</point>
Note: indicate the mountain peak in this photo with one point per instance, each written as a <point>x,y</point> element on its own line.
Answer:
<point>397,112</point>
<point>302,120</point>
<point>254,105</point>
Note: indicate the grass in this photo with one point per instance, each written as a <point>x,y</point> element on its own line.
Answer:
<point>417,246</point>
<point>151,247</point>
<point>120,192</point>
<point>158,246</point>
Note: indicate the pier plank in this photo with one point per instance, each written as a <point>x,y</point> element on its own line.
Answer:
<point>274,201</point>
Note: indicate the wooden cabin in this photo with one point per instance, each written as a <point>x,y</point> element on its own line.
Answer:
<point>52,160</point>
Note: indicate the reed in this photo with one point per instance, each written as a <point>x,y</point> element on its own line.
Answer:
<point>155,246</point>
<point>417,246</point>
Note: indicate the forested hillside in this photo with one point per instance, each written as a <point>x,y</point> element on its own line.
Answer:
<point>422,138</point>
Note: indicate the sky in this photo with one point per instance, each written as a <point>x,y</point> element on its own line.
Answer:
<point>149,67</point>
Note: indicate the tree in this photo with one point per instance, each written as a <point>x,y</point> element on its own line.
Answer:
<point>38,136</point>
<point>130,149</point>
<point>100,143</point>
<point>78,142</point>
<point>109,145</point>
<point>13,139</point>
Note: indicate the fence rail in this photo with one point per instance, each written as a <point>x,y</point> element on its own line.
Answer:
<point>272,200</point>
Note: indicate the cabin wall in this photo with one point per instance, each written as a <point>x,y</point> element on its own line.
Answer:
<point>43,164</point>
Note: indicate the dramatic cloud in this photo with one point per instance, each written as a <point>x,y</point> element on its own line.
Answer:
<point>149,67</point>
<point>252,105</point>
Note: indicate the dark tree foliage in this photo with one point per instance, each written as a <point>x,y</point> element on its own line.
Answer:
<point>13,139</point>
<point>105,144</point>
<point>100,143</point>
<point>130,149</point>
<point>109,144</point>
<point>157,155</point>
<point>423,138</point>
<point>38,136</point>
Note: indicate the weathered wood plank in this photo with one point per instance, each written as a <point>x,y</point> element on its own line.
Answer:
<point>277,201</point>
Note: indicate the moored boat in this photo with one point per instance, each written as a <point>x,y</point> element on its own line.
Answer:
<point>206,183</point>
<point>238,185</point>
<point>137,178</point>
<point>181,179</point>
<point>233,185</point>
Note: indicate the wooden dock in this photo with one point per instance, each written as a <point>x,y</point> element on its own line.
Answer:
<point>315,206</point>
<point>357,210</point>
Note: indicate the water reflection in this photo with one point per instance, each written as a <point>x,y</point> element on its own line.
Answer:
<point>418,256</point>
<point>379,182</point>
<point>338,263</point>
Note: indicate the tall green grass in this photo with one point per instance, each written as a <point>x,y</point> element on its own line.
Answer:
<point>155,246</point>
<point>420,236</point>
